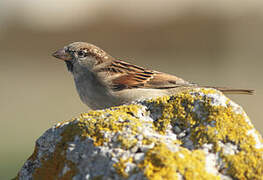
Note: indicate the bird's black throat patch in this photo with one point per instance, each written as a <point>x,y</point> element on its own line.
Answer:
<point>69,65</point>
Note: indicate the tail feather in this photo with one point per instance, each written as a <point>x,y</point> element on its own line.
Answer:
<point>233,91</point>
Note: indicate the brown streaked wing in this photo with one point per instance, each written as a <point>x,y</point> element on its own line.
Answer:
<point>127,66</point>
<point>138,77</point>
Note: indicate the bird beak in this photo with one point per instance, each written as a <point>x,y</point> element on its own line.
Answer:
<point>61,54</point>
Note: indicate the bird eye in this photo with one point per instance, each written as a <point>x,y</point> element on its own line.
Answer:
<point>81,53</point>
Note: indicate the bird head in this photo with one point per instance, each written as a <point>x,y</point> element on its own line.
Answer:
<point>81,54</point>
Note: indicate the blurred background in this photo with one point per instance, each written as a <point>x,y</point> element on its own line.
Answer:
<point>209,42</point>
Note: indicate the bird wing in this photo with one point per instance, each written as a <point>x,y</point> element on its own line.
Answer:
<point>128,76</point>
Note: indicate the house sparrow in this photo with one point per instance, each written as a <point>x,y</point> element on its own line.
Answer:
<point>103,81</point>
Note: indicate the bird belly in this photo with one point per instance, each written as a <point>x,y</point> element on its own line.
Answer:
<point>130,95</point>
<point>95,96</point>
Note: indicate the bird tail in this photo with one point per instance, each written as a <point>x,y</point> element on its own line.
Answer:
<point>233,91</point>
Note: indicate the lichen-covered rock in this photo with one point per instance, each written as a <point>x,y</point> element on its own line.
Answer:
<point>196,134</point>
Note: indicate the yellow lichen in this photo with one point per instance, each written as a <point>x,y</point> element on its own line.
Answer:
<point>95,123</point>
<point>245,165</point>
<point>220,124</point>
<point>127,142</point>
<point>162,163</point>
<point>121,166</point>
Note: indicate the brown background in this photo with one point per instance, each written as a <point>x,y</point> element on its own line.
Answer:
<point>217,43</point>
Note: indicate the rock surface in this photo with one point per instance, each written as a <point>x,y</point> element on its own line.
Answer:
<point>197,134</point>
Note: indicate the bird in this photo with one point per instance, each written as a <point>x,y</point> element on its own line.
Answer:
<point>103,81</point>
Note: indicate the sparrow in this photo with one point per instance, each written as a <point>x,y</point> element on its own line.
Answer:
<point>103,81</point>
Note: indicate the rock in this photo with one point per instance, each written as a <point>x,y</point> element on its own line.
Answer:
<point>196,134</point>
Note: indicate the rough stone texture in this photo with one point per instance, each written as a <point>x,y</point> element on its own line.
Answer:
<point>197,134</point>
